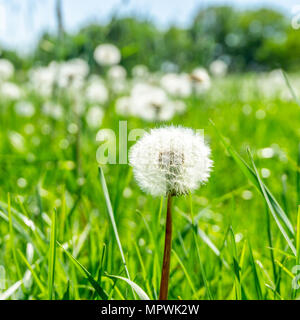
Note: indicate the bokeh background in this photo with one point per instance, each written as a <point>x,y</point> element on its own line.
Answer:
<point>248,35</point>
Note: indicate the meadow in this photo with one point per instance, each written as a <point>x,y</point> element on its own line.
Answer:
<point>67,228</point>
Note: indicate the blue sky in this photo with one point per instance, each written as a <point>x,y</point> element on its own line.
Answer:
<point>22,21</point>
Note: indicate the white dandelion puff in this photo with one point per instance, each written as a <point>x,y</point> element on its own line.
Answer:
<point>201,80</point>
<point>94,117</point>
<point>10,91</point>
<point>107,55</point>
<point>218,68</point>
<point>96,91</point>
<point>24,109</point>
<point>116,73</point>
<point>170,161</point>
<point>6,69</point>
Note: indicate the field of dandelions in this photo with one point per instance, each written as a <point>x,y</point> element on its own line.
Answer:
<point>70,231</point>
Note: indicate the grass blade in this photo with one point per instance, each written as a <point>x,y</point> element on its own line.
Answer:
<point>139,291</point>
<point>112,218</point>
<point>185,271</point>
<point>85,272</point>
<point>34,275</point>
<point>52,256</point>
<point>235,264</point>
<point>292,91</point>
<point>289,241</point>
<point>252,176</point>
<point>255,274</point>
<point>298,237</point>
<point>11,290</point>
<point>12,238</point>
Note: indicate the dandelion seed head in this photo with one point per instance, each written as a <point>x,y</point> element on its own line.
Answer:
<point>201,80</point>
<point>116,72</point>
<point>107,54</point>
<point>95,116</point>
<point>170,160</point>
<point>218,68</point>
<point>6,69</point>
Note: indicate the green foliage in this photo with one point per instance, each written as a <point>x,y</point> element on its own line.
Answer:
<point>259,39</point>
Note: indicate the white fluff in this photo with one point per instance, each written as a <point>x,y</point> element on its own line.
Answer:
<point>170,160</point>
<point>107,54</point>
<point>218,68</point>
<point>201,80</point>
<point>6,69</point>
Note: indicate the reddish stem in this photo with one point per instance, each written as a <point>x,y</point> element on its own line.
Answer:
<point>164,283</point>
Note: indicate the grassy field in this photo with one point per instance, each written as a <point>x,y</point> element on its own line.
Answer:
<point>57,239</point>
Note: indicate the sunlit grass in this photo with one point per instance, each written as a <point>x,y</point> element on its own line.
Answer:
<point>240,240</point>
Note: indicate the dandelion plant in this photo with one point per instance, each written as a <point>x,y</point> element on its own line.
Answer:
<point>170,162</point>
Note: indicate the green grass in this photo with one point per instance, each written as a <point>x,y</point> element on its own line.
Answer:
<point>103,239</point>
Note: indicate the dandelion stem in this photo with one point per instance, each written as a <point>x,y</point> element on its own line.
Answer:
<point>164,283</point>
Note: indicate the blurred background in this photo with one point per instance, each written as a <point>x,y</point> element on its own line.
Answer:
<point>247,35</point>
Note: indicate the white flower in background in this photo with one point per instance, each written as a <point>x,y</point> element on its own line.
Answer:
<point>10,90</point>
<point>201,80</point>
<point>17,141</point>
<point>96,91</point>
<point>119,87</point>
<point>179,106</point>
<point>177,84</point>
<point>42,79</point>
<point>169,66</point>
<point>272,85</point>
<point>218,68</point>
<point>69,74</point>
<point>107,55</point>
<point>266,153</point>
<point>72,73</point>
<point>6,69</point>
<point>140,71</point>
<point>170,161</point>
<point>149,102</point>
<point>94,117</point>
<point>123,106</point>
<point>53,110</point>
<point>116,73</point>
<point>24,109</point>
